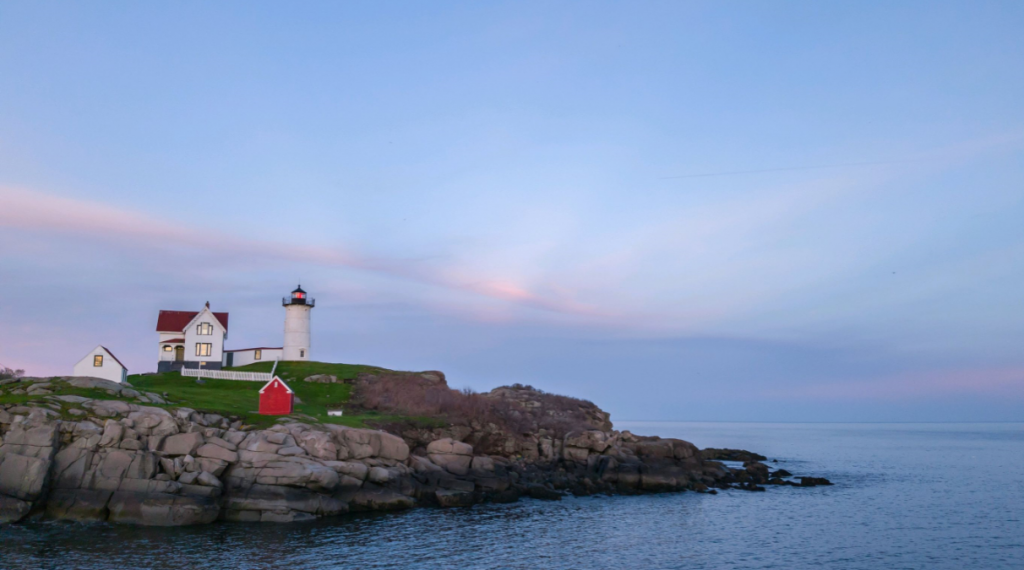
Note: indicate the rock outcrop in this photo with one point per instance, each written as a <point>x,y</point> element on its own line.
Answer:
<point>129,462</point>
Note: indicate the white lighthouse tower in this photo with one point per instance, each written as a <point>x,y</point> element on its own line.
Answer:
<point>296,325</point>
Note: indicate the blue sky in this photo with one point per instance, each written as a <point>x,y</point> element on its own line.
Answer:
<point>763,211</point>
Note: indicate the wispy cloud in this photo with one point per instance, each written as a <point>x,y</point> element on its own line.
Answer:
<point>40,212</point>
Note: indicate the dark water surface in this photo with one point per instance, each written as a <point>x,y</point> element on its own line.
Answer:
<point>906,496</point>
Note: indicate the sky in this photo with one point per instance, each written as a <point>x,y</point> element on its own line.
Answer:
<point>708,211</point>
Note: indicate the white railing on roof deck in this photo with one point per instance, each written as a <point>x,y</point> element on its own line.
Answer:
<point>227,375</point>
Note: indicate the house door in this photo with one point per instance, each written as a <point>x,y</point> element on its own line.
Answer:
<point>179,353</point>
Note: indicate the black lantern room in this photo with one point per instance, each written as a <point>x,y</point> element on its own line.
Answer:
<point>299,297</point>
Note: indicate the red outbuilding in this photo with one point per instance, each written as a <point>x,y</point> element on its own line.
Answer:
<point>276,398</point>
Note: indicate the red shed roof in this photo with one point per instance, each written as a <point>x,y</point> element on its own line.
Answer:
<point>276,384</point>
<point>169,321</point>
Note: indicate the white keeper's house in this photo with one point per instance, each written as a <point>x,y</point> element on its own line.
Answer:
<point>196,339</point>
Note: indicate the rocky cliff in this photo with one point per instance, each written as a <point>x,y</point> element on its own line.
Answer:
<point>127,460</point>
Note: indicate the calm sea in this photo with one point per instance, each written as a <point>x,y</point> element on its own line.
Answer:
<point>923,496</point>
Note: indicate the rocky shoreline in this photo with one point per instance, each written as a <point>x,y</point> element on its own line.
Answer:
<point>74,458</point>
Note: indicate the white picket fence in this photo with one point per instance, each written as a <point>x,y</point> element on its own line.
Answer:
<point>228,374</point>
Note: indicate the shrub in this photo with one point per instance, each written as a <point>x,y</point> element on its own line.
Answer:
<point>6,373</point>
<point>410,395</point>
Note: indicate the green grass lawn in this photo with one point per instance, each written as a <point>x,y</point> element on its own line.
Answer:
<point>240,398</point>
<point>289,371</point>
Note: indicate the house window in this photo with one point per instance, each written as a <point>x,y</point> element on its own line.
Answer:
<point>257,355</point>
<point>302,354</point>
<point>97,360</point>
<point>167,348</point>
<point>203,349</point>
<point>204,329</point>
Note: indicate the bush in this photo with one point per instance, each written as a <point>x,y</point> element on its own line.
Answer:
<point>6,373</point>
<point>410,395</point>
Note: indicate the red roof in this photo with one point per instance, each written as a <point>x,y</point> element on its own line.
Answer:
<point>173,341</point>
<point>169,321</point>
<point>114,357</point>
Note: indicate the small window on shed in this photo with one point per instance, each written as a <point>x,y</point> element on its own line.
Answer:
<point>302,354</point>
<point>257,354</point>
<point>97,360</point>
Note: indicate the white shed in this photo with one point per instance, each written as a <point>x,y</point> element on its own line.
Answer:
<point>101,363</point>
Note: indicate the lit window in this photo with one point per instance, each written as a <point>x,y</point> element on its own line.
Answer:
<point>257,355</point>
<point>204,329</point>
<point>97,360</point>
<point>203,349</point>
<point>167,348</point>
<point>302,354</point>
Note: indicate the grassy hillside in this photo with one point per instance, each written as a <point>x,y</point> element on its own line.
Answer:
<point>232,397</point>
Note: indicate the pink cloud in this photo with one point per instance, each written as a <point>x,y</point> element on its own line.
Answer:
<point>35,211</point>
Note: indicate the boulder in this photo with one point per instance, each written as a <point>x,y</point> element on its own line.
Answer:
<point>449,499</point>
<point>758,471</point>
<point>144,465</point>
<point>392,447</point>
<point>813,481</point>
<point>211,465</point>
<point>162,509</point>
<point>352,469</point>
<point>575,454</point>
<point>312,475</point>
<point>77,504</point>
<point>13,510</point>
<point>108,408</point>
<point>131,444</point>
<point>112,433</point>
<point>318,444</point>
<point>23,477</point>
<point>215,451</point>
<point>454,464</point>
<point>33,441</point>
<point>380,500</point>
<point>359,443</point>
<point>730,455</point>
<point>208,479</point>
<point>423,465</point>
<point>655,448</point>
<point>90,382</point>
<point>485,464</point>
<point>591,439</point>
<point>322,379</point>
<point>684,449</point>
<point>449,446</point>
<point>543,493</point>
<point>182,443</point>
<point>70,465</point>
<point>153,421</point>
<point>222,443</point>
<point>280,504</point>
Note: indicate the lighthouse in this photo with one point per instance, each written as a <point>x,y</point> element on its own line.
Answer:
<point>296,325</point>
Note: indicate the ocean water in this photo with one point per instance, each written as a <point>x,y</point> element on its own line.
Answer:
<point>922,496</point>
